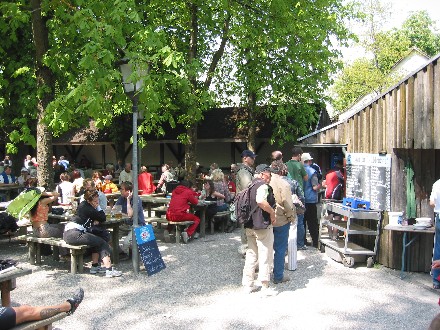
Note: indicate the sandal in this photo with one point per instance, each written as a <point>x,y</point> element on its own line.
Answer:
<point>75,301</point>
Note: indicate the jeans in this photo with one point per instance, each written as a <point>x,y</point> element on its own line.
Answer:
<point>280,238</point>
<point>436,255</point>
<point>300,231</point>
<point>97,244</point>
<point>311,218</point>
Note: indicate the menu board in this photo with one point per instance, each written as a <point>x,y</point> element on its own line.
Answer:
<point>148,249</point>
<point>369,178</point>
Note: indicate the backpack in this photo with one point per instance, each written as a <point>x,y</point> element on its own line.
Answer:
<point>24,202</point>
<point>242,202</point>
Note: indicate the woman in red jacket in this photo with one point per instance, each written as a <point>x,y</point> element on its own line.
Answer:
<point>178,210</point>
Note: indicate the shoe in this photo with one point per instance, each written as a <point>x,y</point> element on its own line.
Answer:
<point>75,300</point>
<point>112,273</point>
<point>185,237</point>
<point>196,235</point>
<point>96,270</point>
<point>436,286</point>
<point>166,236</point>
<point>267,291</point>
<point>284,279</point>
<point>250,289</point>
<point>302,248</point>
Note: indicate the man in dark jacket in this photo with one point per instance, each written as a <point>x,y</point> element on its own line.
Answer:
<point>178,210</point>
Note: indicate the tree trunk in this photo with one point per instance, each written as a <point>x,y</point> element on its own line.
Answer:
<point>190,153</point>
<point>45,83</point>
<point>252,132</point>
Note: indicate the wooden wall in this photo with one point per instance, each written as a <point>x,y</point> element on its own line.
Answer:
<point>404,122</point>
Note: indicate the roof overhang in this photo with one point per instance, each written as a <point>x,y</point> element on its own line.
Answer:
<point>321,145</point>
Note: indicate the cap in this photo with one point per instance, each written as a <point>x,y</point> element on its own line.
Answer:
<point>108,177</point>
<point>24,169</point>
<point>248,153</point>
<point>278,166</point>
<point>306,156</point>
<point>263,168</point>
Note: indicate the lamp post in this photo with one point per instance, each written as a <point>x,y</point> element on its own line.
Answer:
<point>132,90</point>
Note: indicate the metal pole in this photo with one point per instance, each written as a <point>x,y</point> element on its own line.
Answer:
<point>135,252</point>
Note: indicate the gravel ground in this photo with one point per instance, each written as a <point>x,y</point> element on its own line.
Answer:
<point>200,289</point>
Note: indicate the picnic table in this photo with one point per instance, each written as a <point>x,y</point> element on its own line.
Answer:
<point>8,283</point>
<point>112,223</point>
<point>7,190</point>
<point>150,200</point>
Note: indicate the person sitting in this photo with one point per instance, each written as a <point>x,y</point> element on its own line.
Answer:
<point>6,177</point>
<point>209,193</point>
<point>96,176</point>
<point>63,162</point>
<point>21,180</point>
<point>180,172</point>
<point>77,181</point>
<point>218,178</point>
<point>90,184</point>
<point>145,182</point>
<point>126,174</point>
<point>178,210</point>
<point>12,316</point>
<point>167,176</point>
<point>66,189</point>
<point>126,202</point>
<point>77,232</point>
<point>108,186</point>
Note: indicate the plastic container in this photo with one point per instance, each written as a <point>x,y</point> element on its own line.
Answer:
<point>395,218</point>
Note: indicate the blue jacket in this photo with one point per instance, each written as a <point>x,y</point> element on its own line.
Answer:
<point>310,195</point>
<point>5,178</point>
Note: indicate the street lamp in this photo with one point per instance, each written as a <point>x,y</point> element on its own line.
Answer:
<point>132,90</point>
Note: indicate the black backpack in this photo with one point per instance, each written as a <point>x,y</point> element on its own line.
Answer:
<point>242,202</point>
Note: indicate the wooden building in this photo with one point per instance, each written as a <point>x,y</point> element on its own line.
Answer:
<point>402,122</point>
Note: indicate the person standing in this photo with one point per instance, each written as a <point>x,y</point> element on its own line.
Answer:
<point>311,188</point>
<point>434,202</point>
<point>245,172</point>
<point>285,214</point>
<point>259,233</point>
<point>297,172</point>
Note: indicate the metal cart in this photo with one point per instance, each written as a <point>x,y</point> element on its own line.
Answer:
<point>344,250</point>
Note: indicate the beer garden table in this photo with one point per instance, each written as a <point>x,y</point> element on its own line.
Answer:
<point>8,283</point>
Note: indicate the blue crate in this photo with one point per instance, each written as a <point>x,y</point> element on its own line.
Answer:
<point>356,203</point>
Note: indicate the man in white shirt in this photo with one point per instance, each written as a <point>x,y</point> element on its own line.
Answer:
<point>126,174</point>
<point>434,202</point>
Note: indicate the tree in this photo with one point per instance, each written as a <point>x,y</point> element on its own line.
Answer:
<point>375,75</point>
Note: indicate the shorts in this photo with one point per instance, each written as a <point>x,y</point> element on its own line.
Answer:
<point>7,318</point>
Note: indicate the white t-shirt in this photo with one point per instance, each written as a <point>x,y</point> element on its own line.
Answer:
<point>435,196</point>
<point>66,190</point>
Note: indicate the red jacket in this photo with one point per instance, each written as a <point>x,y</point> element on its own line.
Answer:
<point>180,200</point>
<point>146,183</point>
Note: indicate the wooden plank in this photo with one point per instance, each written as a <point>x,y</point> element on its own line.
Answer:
<point>428,178</point>
<point>366,143</point>
<point>389,129</point>
<point>410,112</point>
<point>436,104</point>
<point>373,129</point>
<point>400,117</point>
<point>428,107</point>
<point>418,110</point>
<point>379,125</point>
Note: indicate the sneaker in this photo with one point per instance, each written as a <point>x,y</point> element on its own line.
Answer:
<point>185,237</point>
<point>196,235</point>
<point>75,300</point>
<point>166,236</point>
<point>284,279</point>
<point>98,269</point>
<point>267,291</point>
<point>112,273</point>
<point>302,247</point>
<point>250,289</point>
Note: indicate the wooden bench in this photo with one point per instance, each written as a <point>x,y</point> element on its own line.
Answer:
<point>42,324</point>
<point>180,226</point>
<point>76,251</point>
<point>223,218</point>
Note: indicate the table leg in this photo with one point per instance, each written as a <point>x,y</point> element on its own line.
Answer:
<point>115,244</point>
<point>405,245</point>
<point>202,221</point>
<point>6,293</point>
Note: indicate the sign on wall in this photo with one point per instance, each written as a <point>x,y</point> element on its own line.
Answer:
<point>369,178</point>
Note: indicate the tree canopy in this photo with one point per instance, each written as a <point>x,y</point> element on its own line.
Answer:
<point>366,75</point>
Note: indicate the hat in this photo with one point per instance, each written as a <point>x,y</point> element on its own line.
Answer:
<point>248,153</point>
<point>263,168</point>
<point>278,166</point>
<point>108,177</point>
<point>24,169</point>
<point>306,156</point>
